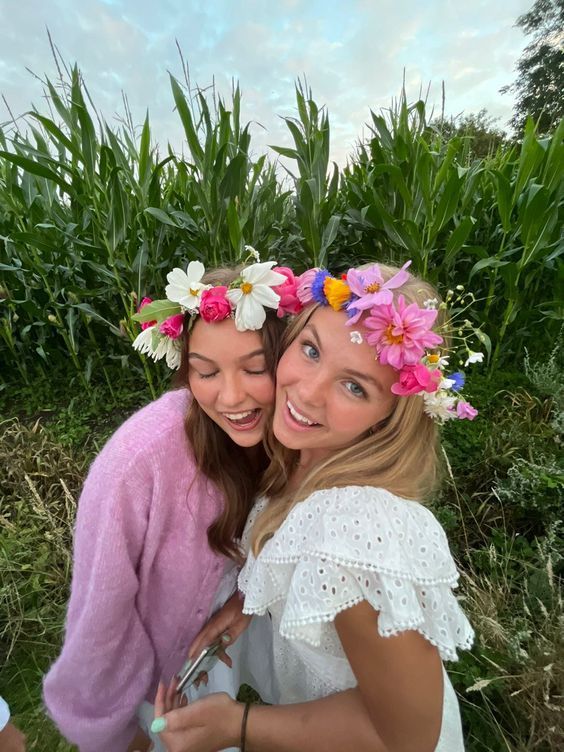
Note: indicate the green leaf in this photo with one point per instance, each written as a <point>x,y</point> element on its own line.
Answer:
<point>35,168</point>
<point>161,215</point>
<point>458,237</point>
<point>488,263</point>
<point>158,310</point>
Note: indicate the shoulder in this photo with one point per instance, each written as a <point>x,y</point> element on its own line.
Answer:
<point>150,447</point>
<point>370,527</point>
<point>156,427</point>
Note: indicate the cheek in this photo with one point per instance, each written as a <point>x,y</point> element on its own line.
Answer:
<point>202,390</point>
<point>264,391</point>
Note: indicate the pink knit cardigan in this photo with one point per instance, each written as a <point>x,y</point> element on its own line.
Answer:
<point>143,578</point>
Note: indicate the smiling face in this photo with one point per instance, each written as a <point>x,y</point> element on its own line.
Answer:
<point>330,390</point>
<point>229,378</point>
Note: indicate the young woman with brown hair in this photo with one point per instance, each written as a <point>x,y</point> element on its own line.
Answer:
<point>155,549</point>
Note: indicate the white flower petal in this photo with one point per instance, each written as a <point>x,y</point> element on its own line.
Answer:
<point>265,295</point>
<point>174,353</point>
<point>249,314</point>
<point>234,296</point>
<point>261,274</point>
<point>195,271</point>
<point>143,343</point>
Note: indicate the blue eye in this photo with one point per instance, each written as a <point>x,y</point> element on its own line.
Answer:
<point>310,351</point>
<point>355,389</point>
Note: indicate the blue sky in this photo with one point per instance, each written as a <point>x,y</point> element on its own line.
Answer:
<point>353,53</point>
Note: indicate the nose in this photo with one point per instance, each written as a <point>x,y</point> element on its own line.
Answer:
<point>232,392</point>
<point>312,390</point>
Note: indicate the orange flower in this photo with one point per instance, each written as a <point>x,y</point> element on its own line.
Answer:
<point>337,292</point>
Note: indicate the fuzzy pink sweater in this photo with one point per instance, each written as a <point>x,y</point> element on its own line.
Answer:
<point>143,578</point>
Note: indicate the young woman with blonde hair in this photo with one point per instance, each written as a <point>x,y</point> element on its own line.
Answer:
<point>353,569</point>
<point>166,500</point>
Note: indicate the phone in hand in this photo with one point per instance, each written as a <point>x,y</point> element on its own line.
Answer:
<point>192,670</point>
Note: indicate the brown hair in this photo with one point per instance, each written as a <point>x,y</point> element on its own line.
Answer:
<point>235,471</point>
<point>400,455</point>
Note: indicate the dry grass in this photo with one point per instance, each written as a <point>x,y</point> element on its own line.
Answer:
<point>40,482</point>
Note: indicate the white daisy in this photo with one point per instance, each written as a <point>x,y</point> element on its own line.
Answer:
<point>430,303</point>
<point>186,287</point>
<point>474,357</point>
<point>439,406</point>
<point>144,341</point>
<point>254,294</point>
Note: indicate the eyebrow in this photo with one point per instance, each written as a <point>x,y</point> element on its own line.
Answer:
<point>247,356</point>
<point>348,371</point>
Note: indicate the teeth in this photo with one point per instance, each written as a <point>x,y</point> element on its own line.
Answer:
<point>300,418</point>
<point>238,416</point>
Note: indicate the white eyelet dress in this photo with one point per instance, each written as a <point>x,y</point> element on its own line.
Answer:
<point>336,548</point>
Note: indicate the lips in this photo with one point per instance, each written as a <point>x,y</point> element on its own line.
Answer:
<point>245,420</point>
<point>298,418</point>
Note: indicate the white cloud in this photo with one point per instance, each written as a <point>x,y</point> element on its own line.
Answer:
<point>353,54</point>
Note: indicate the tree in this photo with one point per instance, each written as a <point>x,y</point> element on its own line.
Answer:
<point>478,128</point>
<point>540,69</point>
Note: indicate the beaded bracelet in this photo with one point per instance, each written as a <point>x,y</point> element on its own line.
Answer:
<point>244,725</point>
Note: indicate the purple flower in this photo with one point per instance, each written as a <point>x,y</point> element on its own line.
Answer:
<point>317,290</point>
<point>371,288</point>
<point>458,379</point>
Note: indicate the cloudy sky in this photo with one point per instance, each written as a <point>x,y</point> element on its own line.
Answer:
<point>353,54</point>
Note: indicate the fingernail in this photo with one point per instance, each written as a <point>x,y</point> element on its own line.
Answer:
<point>158,725</point>
<point>226,638</point>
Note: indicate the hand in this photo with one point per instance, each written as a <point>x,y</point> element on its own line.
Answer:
<point>229,622</point>
<point>206,725</point>
<point>12,739</point>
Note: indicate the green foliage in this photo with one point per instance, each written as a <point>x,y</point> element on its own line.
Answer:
<point>540,69</point>
<point>92,218</point>
<point>478,130</point>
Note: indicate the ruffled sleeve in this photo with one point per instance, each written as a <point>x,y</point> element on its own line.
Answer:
<point>345,545</point>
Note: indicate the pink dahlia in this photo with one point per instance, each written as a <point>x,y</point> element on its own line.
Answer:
<point>401,335</point>
<point>172,327</point>
<point>371,289</point>
<point>415,379</point>
<point>288,291</point>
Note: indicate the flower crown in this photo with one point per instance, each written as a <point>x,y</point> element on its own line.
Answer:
<point>258,287</point>
<point>402,334</point>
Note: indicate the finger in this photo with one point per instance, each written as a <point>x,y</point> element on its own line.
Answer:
<point>171,694</point>
<point>160,700</point>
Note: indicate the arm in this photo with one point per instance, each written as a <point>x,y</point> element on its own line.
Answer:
<point>400,679</point>
<point>338,723</point>
<point>397,706</point>
<point>105,668</point>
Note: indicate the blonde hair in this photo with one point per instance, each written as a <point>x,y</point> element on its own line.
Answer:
<point>400,454</point>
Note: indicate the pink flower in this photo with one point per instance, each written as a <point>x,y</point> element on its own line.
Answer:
<point>371,289</point>
<point>289,301</point>
<point>465,410</point>
<point>214,305</point>
<point>142,304</point>
<point>303,290</point>
<point>172,327</point>
<point>401,335</point>
<point>415,379</point>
